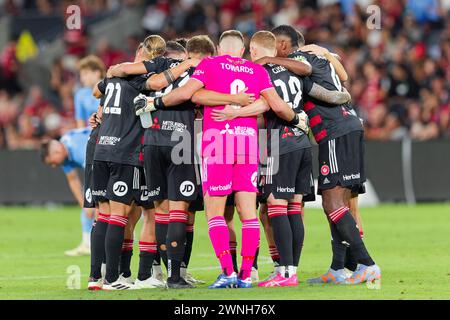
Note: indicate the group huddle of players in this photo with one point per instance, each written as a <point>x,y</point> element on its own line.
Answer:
<point>178,131</point>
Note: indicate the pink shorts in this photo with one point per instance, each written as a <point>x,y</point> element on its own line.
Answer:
<point>221,179</point>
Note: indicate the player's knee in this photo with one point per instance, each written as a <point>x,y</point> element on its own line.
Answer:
<point>329,205</point>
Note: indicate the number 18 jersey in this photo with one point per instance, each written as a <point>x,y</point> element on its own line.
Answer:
<point>226,74</point>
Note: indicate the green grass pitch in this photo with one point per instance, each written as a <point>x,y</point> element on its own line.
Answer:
<point>411,244</point>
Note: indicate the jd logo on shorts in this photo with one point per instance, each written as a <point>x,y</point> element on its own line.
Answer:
<point>88,195</point>
<point>144,193</point>
<point>120,188</point>
<point>187,188</point>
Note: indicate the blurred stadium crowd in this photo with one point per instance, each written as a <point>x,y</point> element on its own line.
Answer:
<point>399,73</point>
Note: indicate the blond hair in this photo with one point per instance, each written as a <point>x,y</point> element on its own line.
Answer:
<point>265,39</point>
<point>153,46</point>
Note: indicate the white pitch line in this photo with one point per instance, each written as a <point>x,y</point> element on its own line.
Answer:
<point>27,278</point>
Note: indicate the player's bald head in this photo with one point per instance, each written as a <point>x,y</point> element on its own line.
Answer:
<point>231,42</point>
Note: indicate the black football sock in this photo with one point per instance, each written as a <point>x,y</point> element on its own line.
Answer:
<point>339,249</point>
<point>282,233</point>
<point>157,260</point>
<point>98,245</point>
<point>349,232</point>
<point>350,261</point>
<point>125,258</point>
<point>176,242</point>
<point>147,253</point>
<point>298,230</point>
<point>113,245</point>
<point>233,252</point>
<point>255,260</point>
<point>189,241</point>
<point>161,226</point>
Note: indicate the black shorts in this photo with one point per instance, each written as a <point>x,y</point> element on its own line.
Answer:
<point>311,196</point>
<point>167,180</point>
<point>341,162</point>
<point>144,200</point>
<point>293,176</point>
<point>359,189</point>
<point>89,200</point>
<point>117,182</point>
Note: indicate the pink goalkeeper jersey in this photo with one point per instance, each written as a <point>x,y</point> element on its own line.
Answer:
<point>226,74</point>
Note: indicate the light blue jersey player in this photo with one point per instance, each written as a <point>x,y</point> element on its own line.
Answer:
<point>70,153</point>
<point>91,71</point>
<point>85,105</point>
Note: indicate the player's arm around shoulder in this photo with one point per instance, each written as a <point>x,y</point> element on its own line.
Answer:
<point>299,67</point>
<point>159,81</point>
<point>126,69</point>
<point>331,57</point>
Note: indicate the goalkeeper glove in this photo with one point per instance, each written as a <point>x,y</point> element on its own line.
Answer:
<point>301,121</point>
<point>142,105</point>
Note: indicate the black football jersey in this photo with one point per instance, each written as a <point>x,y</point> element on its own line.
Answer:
<point>172,123</point>
<point>120,135</point>
<point>290,88</point>
<point>327,121</point>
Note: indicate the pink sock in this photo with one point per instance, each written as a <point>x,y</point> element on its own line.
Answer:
<point>220,238</point>
<point>250,241</point>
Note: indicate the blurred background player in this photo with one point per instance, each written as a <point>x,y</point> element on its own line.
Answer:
<point>70,153</point>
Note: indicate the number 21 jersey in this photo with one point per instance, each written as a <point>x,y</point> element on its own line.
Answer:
<point>120,135</point>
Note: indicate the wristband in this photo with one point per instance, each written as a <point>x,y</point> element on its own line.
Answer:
<point>169,76</point>
<point>158,103</point>
<point>294,121</point>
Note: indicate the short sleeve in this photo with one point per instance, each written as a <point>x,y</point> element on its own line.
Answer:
<point>78,106</point>
<point>67,167</point>
<point>264,79</point>
<point>156,65</point>
<point>139,82</point>
<point>201,71</point>
<point>102,85</point>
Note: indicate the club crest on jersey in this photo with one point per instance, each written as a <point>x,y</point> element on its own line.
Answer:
<point>120,188</point>
<point>325,170</point>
